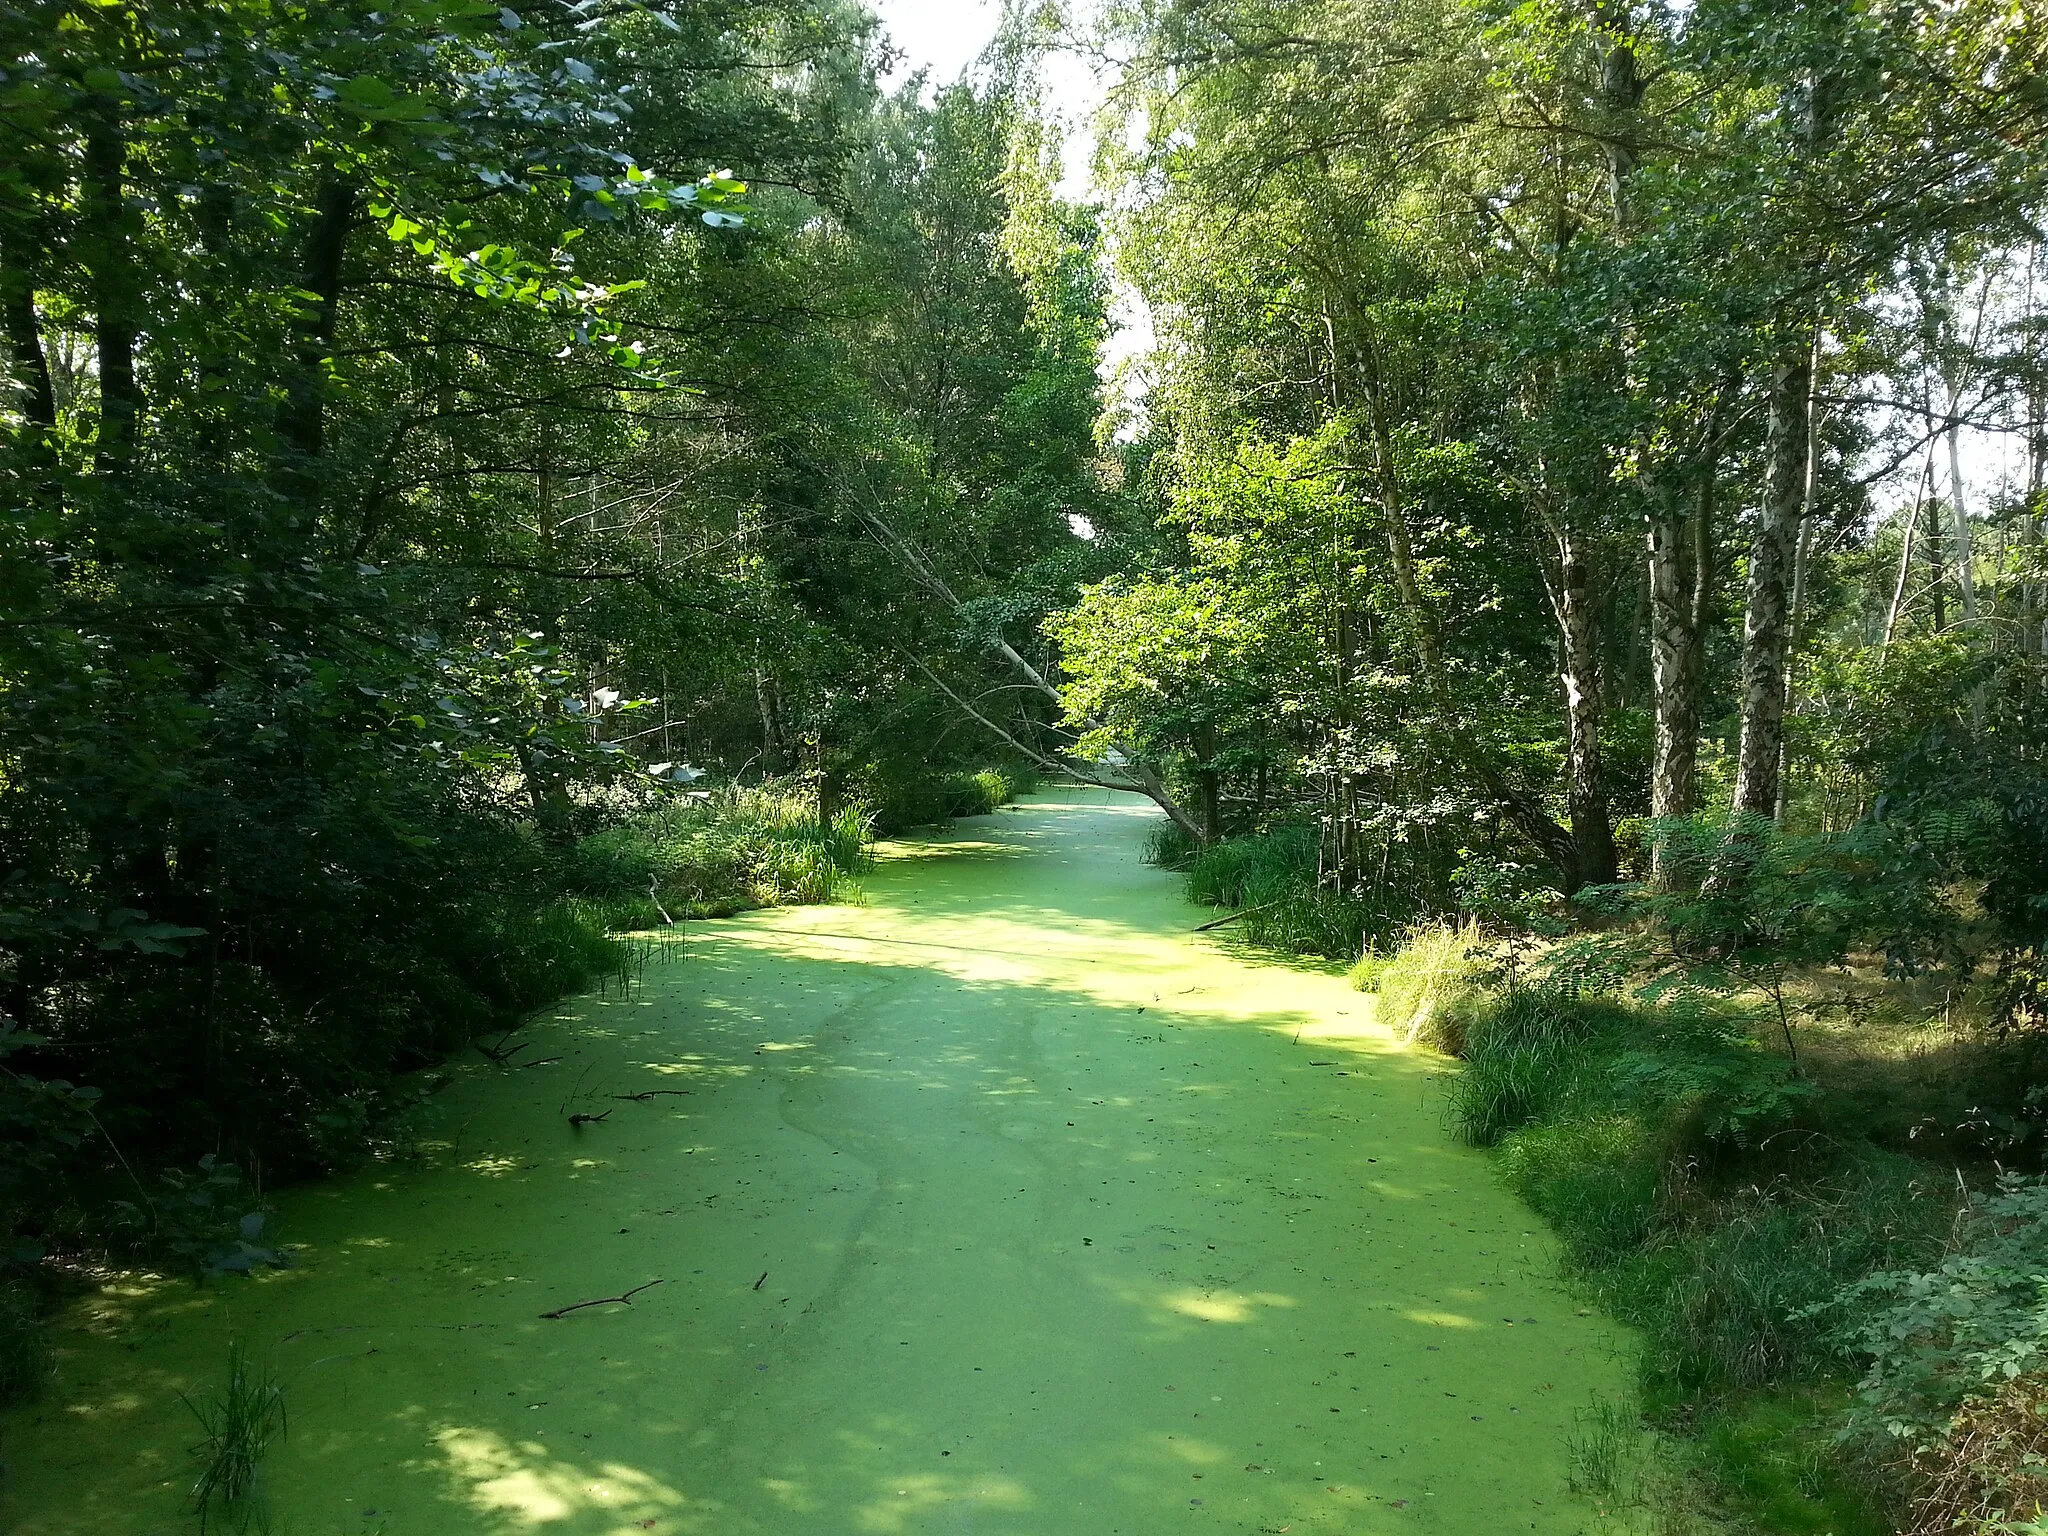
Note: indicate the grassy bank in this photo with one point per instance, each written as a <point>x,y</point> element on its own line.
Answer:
<point>1273,879</point>
<point>722,853</point>
<point>898,802</point>
<point>1840,1334</point>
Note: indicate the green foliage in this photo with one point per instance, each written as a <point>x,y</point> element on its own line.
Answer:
<point>1521,1051</point>
<point>25,1361</point>
<point>1744,908</point>
<point>899,797</point>
<point>204,1222</point>
<point>1738,1314</point>
<point>1679,1163</point>
<point>357,632</point>
<point>977,794</point>
<point>1595,1178</point>
<point>1428,987</point>
<point>1775,1459</point>
<point>1170,847</point>
<point>1932,1338</point>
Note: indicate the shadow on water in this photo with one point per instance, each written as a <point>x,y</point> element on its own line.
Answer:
<point>997,1205</point>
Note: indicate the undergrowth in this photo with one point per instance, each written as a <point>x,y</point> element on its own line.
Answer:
<point>723,853</point>
<point>292,1048</point>
<point>1273,881</point>
<point>1819,1330</point>
<point>898,801</point>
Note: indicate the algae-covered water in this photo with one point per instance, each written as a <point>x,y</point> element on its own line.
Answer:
<point>1001,1204</point>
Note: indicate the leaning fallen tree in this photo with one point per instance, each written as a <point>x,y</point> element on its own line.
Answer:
<point>1134,775</point>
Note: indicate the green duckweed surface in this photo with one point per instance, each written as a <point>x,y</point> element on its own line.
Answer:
<point>1002,1204</point>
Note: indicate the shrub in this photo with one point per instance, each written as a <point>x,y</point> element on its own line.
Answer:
<point>1988,1470</point>
<point>24,1352</point>
<point>897,798</point>
<point>976,794</point>
<point>1937,1339</point>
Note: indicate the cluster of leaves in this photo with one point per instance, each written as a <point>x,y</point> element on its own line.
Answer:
<point>1935,1337</point>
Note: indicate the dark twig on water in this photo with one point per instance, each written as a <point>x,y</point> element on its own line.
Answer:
<point>762,1281</point>
<point>603,1301</point>
<point>652,1093</point>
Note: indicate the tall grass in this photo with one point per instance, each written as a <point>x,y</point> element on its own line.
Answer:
<point>1426,989</point>
<point>240,1420</point>
<point>741,848</point>
<point>897,801</point>
<point>979,793</point>
<point>1273,879</point>
<point>1698,1191</point>
<point>24,1352</point>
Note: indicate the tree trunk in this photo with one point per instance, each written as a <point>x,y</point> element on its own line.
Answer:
<point>1766,633</point>
<point>114,295</point>
<point>1681,546</point>
<point>1674,666</point>
<point>1801,558</point>
<point>1593,861</point>
<point>1959,522</point>
<point>1937,566</point>
<point>1909,530</point>
<point>774,746</point>
<point>37,397</point>
<point>1208,785</point>
<point>302,418</point>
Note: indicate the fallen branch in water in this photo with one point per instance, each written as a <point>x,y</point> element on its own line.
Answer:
<point>1234,916</point>
<point>603,1301</point>
<point>652,1093</point>
<point>498,1053</point>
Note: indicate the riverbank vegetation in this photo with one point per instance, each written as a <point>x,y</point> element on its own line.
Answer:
<point>477,481</point>
<point>480,479</point>
<point>1599,457</point>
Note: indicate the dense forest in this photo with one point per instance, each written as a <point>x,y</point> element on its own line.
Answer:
<point>484,480</point>
<point>440,434</point>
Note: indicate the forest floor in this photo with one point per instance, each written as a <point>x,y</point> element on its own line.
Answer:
<point>1000,1204</point>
